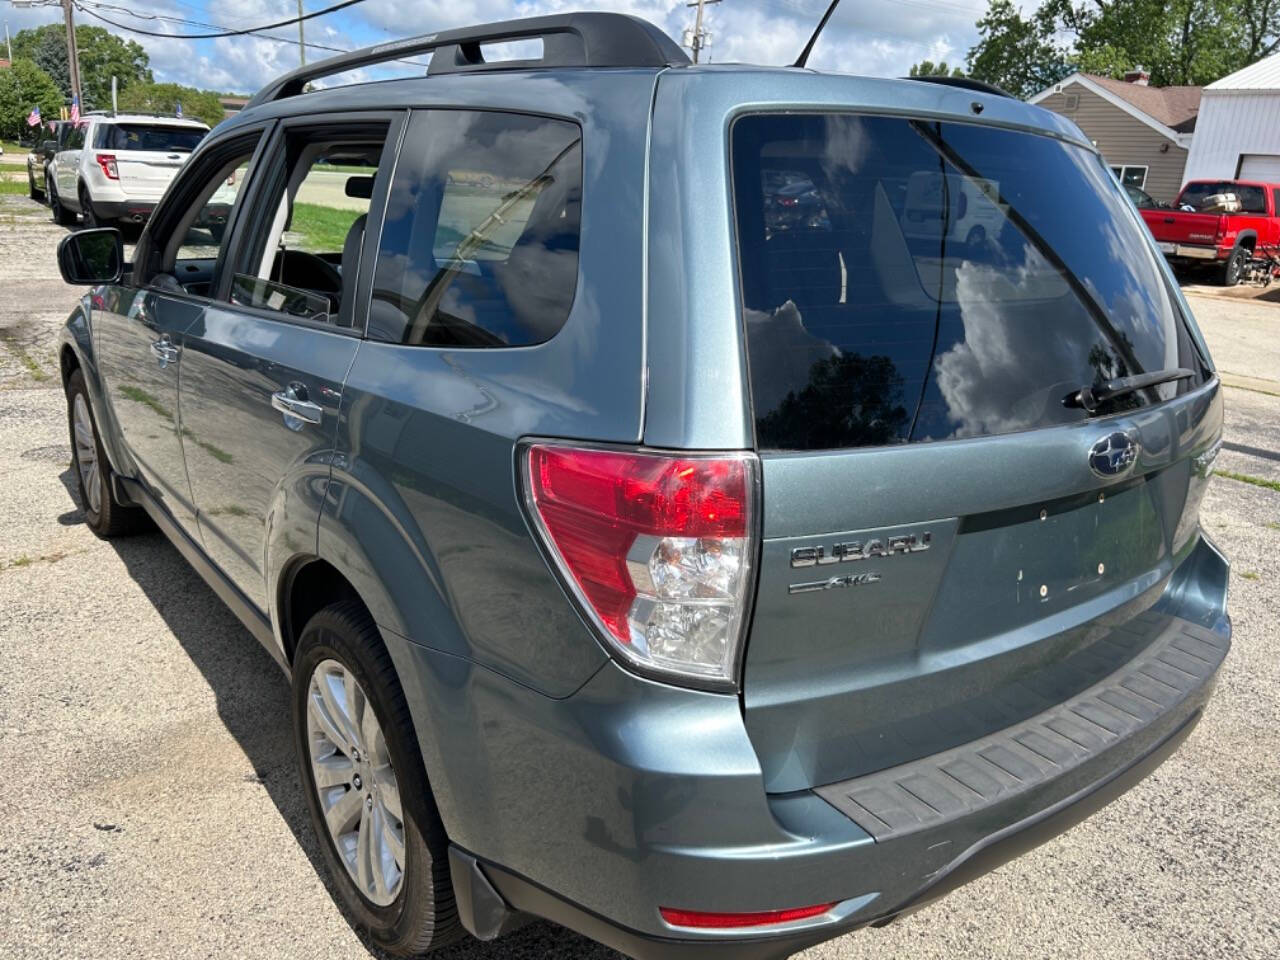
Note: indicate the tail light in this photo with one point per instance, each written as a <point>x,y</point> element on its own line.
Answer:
<point>107,161</point>
<point>658,550</point>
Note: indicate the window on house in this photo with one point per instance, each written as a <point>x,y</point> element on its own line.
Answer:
<point>1130,176</point>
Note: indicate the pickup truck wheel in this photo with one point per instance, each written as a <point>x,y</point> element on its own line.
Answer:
<point>1234,267</point>
<point>34,192</point>
<point>366,787</point>
<point>61,215</point>
<point>102,513</point>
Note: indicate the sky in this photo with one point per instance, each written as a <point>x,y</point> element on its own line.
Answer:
<point>870,37</point>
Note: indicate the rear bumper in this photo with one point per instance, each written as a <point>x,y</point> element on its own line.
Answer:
<point>1187,251</point>
<point>135,211</point>
<point>596,810</point>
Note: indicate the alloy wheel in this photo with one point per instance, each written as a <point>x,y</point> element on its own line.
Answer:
<point>357,787</point>
<point>87,455</point>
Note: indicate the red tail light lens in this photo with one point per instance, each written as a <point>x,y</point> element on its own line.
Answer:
<point>107,161</point>
<point>658,549</point>
<point>720,921</point>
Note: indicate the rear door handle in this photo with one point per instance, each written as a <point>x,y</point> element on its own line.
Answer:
<point>164,350</point>
<point>297,409</point>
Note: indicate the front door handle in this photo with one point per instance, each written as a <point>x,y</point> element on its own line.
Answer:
<point>164,350</point>
<point>297,409</point>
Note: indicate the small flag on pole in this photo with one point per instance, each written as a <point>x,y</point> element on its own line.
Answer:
<point>33,118</point>
<point>75,111</point>
<point>178,111</point>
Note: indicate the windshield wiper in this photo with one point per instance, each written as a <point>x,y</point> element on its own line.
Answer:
<point>1093,396</point>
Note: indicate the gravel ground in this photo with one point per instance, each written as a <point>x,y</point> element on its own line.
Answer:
<point>152,804</point>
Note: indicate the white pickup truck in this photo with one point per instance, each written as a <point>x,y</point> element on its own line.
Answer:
<point>114,169</point>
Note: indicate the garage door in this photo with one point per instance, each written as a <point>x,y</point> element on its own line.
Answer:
<point>1260,166</point>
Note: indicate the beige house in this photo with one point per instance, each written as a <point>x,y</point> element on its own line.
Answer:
<point>1143,131</point>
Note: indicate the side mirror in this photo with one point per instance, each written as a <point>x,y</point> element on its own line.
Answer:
<point>90,257</point>
<point>49,147</point>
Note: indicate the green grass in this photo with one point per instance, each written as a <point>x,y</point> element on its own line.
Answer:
<point>1249,478</point>
<point>14,187</point>
<point>1250,575</point>
<point>322,229</point>
<point>1273,525</point>
<point>20,354</point>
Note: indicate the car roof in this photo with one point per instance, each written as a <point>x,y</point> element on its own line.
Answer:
<point>151,119</point>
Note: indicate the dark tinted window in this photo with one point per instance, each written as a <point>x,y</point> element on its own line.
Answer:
<point>480,243</point>
<point>1207,195</point>
<point>137,136</point>
<point>75,138</point>
<point>1275,202</point>
<point>908,281</point>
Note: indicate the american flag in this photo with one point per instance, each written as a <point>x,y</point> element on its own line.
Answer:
<point>75,111</point>
<point>33,118</point>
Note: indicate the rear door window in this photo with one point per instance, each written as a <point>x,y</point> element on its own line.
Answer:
<point>908,281</point>
<point>479,246</point>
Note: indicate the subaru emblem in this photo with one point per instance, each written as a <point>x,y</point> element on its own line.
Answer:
<point>1114,455</point>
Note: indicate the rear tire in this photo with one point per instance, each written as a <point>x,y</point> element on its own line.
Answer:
<point>61,215</point>
<point>342,673</point>
<point>103,514</point>
<point>1234,266</point>
<point>86,210</point>
<point>34,192</point>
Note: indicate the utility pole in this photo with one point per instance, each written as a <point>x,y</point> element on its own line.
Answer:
<point>73,55</point>
<point>697,39</point>
<point>7,42</point>
<point>302,43</point>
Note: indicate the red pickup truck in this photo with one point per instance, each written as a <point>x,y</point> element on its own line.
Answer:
<point>1226,224</point>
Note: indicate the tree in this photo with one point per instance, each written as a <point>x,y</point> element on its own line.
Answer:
<point>1017,54</point>
<point>102,55</point>
<point>165,97</point>
<point>927,68</point>
<point>23,86</point>
<point>1178,42</point>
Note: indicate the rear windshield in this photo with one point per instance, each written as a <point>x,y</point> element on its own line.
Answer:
<point>1217,196</point>
<point>139,136</point>
<point>907,280</point>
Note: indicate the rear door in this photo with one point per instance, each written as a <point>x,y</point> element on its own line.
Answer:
<point>952,543</point>
<point>264,367</point>
<point>66,165</point>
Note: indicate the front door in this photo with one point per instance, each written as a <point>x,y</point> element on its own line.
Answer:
<point>264,368</point>
<point>138,333</point>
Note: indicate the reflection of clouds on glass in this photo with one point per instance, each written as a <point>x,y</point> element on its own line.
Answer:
<point>845,147</point>
<point>782,353</point>
<point>1009,342</point>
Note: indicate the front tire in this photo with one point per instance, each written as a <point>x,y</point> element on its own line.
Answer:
<point>366,787</point>
<point>32,190</point>
<point>103,514</point>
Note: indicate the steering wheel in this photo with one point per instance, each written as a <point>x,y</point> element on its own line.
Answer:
<point>301,269</point>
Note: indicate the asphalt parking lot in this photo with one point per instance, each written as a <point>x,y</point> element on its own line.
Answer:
<point>152,806</point>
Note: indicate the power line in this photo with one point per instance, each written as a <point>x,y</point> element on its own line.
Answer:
<point>225,33</point>
<point>196,23</point>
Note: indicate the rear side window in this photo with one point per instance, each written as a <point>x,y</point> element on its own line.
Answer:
<point>480,243</point>
<point>159,138</point>
<point>907,280</point>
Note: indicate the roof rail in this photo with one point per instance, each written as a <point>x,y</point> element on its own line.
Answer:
<point>568,40</point>
<point>966,83</point>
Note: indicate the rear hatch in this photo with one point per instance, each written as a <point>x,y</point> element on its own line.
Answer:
<point>951,545</point>
<point>1171,227</point>
<point>147,155</point>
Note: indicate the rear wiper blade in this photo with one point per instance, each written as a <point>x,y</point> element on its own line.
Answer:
<point>1093,396</point>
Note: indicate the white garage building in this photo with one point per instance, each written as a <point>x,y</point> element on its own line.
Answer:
<point>1238,130</point>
